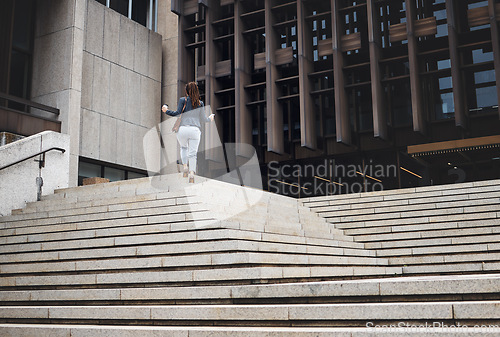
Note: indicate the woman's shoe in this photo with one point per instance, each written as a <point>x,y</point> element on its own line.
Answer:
<point>191,177</point>
<point>185,171</point>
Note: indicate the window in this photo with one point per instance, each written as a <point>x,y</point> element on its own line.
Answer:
<point>88,168</point>
<point>480,80</point>
<point>143,12</point>
<point>16,50</point>
<point>438,86</point>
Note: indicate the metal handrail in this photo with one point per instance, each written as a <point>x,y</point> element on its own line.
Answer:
<point>39,153</point>
<point>29,103</point>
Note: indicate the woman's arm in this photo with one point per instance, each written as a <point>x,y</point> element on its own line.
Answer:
<point>179,108</point>
<point>203,116</point>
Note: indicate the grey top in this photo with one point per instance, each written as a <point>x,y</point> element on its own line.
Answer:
<point>190,116</point>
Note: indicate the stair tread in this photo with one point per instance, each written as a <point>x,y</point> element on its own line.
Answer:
<point>52,330</point>
<point>410,285</point>
<point>275,312</point>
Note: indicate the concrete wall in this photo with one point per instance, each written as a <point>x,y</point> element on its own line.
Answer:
<point>121,87</point>
<point>18,183</point>
<point>57,65</point>
<point>104,72</point>
<point>168,28</point>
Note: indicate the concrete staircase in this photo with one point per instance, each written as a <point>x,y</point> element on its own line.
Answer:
<point>439,229</point>
<point>159,257</point>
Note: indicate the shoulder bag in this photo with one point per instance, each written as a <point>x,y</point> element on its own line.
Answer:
<point>177,124</point>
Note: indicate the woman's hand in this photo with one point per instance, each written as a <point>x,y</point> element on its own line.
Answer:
<point>211,117</point>
<point>164,108</point>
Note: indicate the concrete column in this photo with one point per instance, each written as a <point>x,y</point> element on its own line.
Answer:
<point>275,138</point>
<point>242,65</point>
<point>456,73</point>
<point>378,97</point>
<point>493,9</point>
<point>306,66</point>
<point>168,27</point>
<point>342,118</point>
<point>57,66</point>
<point>416,88</point>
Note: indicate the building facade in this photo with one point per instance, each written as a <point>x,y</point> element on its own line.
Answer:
<point>96,70</point>
<point>346,96</point>
<point>336,96</point>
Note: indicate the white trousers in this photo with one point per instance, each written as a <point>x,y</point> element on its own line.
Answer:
<point>189,140</point>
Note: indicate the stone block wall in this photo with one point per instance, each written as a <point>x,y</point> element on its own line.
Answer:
<point>57,65</point>
<point>107,74</point>
<point>168,28</point>
<point>121,87</point>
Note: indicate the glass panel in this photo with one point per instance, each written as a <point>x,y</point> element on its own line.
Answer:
<point>478,4</point>
<point>486,97</point>
<point>140,11</point>
<point>121,6</point>
<point>255,127</point>
<point>135,175</point>
<point>484,76</point>
<point>444,64</point>
<point>445,83</point>
<point>88,170</point>
<point>114,174</point>
<point>446,108</point>
<point>19,74</point>
<point>21,38</point>
<point>400,101</point>
<point>442,30</point>
<point>363,103</point>
<point>295,119</point>
<point>329,113</point>
<point>478,56</point>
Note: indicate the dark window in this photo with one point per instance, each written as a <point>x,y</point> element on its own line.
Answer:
<point>137,10</point>
<point>399,100</point>
<point>17,80</point>
<point>88,168</point>
<point>121,6</point>
<point>140,11</point>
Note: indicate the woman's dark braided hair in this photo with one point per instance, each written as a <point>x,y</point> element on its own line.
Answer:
<point>193,92</point>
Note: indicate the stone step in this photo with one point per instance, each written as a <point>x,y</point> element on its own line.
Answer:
<point>433,215</point>
<point>468,206</point>
<point>356,314</point>
<point>144,234</point>
<point>108,229</point>
<point>441,241</point>
<point>440,201</point>
<point>427,233</point>
<point>424,229</point>
<point>404,288</point>
<point>438,218</point>
<point>165,183</point>
<point>109,215</point>
<point>41,209</point>
<point>192,261</point>
<point>220,276</point>
<point>177,221</point>
<point>469,267</point>
<point>196,245</point>
<point>310,225</point>
<point>413,192</point>
<point>69,330</point>
<point>448,249</point>
<point>488,258</point>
